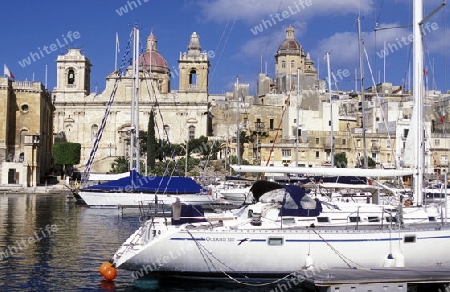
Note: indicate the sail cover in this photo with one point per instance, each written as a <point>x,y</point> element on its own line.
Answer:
<point>149,184</point>
<point>295,201</point>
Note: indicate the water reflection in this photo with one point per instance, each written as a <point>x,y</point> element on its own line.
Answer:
<point>77,240</point>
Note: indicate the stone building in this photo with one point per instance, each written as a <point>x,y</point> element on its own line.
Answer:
<point>179,114</point>
<point>26,133</point>
<point>282,112</point>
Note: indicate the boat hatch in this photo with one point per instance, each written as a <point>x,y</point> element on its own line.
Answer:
<point>275,241</point>
<point>409,239</point>
<point>323,219</point>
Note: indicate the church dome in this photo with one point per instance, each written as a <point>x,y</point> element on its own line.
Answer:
<point>290,44</point>
<point>151,58</point>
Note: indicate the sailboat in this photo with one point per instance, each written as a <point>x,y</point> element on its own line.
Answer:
<point>274,238</point>
<point>136,190</point>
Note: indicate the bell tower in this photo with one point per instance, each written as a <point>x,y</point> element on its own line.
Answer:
<point>73,76</point>
<point>193,67</point>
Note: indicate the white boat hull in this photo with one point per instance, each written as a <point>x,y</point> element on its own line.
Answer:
<point>236,194</point>
<point>115,199</point>
<point>264,253</point>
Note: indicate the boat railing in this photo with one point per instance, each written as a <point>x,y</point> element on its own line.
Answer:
<point>149,209</point>
<point>354,218</point>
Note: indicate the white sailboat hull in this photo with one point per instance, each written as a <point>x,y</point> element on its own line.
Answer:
<point>266,253</point>
<point>115,199</point>
<point>235,194</point>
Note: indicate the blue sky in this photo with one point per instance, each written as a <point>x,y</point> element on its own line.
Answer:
<point>227,29</point>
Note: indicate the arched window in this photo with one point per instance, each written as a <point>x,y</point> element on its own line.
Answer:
<point>292,64</point>
<point>94,131</point>
<point>283,64</point>
<point>191,132</point>
<point>166,132</point>
<point>193,78</point>
<point>71,77</point>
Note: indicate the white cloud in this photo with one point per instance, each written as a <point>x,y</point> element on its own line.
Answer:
<point>267,44</point>
<point>254,11</point>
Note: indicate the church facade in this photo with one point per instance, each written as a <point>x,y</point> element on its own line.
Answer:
<point>179,115</point>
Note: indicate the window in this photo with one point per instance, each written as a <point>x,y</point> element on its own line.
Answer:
<point>71,77</point>
<point>317,154</point>
<point>271,122</point>
<point>94,131</point>
<point>317,141</point>
<point>437,142</point>
<point>323,219</point>
<point>193,77</point>
<point>166,132</point>
<point>409,239</point>
<point>285,152</point>
<point>283,64</point>
<point>292,64</point>
<point>344,142</point>
<point>24,108</point>
<point>388,144</point>
<point>191,132</point>
<point>358,143</point>
<point>275,241</point>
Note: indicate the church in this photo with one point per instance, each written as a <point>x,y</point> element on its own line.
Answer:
<point>179,114</point>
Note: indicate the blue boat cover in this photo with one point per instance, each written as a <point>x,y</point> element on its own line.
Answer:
<point>150,184</point>
<point>295,201</point>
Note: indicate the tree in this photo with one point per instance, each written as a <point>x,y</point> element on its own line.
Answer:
<point>67,154</point>
<point>120,165</point>
<point>340,160</point>
<point>370,162</point>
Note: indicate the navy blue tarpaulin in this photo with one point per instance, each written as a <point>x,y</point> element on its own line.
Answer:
<point>295,200</point>
<point>155,184</point>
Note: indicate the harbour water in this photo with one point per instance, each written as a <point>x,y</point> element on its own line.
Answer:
<point>49,243</point>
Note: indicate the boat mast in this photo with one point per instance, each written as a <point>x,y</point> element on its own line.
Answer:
<point>418,99</point>
<point>134,130</point>
<point>238,120</point>
<point>298,117</point>
<point>363,98</point>
<point>331,109</point>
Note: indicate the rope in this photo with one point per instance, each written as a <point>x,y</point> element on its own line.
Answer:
<point>206,254</point>
<point>343,258</point>
<point>87,169</point>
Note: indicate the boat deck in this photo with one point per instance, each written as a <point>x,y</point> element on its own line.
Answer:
<point>380,279</point>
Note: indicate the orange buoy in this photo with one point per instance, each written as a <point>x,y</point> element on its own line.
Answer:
<point>103,267</point>
<point>110,273</point>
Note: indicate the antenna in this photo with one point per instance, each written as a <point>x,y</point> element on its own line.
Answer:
<point>46,69</point>
<point>261,61</point>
